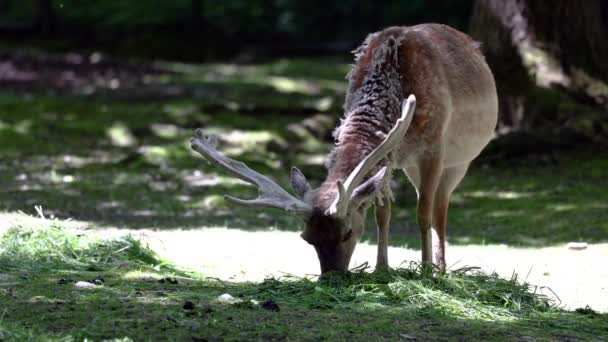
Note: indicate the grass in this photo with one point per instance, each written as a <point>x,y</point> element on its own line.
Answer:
<point>143,298</point>
<point>96,159</point>
<point>121,159</point>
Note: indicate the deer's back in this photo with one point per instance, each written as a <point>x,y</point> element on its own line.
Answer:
<point>455,90</point>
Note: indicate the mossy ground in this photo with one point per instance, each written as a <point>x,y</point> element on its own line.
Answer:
<point>118,160</point>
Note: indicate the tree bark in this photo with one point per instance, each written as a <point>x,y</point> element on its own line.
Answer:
<point>45,20</point>
<point>532,44</point>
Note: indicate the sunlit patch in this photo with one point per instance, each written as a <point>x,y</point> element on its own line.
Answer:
<point>23,126</point>
<point>213,201</point>
<point>110,204</point>
<point>498,194</point>
<point>57,178</point>
<point>312,159</point>
<point>290,85</point>
<point>179,110</point>
<point>120,135</point>
<point>166,131</point>
<point>144,213</point>
<point>95,57</point>
<point>161,154</point>
<point>140,276</point>
<point>323,104</point>
<point>197,178</point>
<point>504,213</point>
<point>248,137</point>
<point>114,83</point>
<point>562,207</point>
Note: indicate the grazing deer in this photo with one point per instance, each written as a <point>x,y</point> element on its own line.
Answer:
<point>456,112</point>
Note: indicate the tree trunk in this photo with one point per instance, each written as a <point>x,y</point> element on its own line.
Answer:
<point>531,45</point>
<point>45,17</point>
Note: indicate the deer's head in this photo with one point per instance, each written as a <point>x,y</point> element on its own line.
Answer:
<point>334,214</point>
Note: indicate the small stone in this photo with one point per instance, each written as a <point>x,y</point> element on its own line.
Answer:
<point>227,299</point>
<point>270,305</point>
<point>85,285</point>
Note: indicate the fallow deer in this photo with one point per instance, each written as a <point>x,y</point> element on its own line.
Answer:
<point>456,111</point>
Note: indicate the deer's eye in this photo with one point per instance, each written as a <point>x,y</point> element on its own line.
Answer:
<point>347,235</point>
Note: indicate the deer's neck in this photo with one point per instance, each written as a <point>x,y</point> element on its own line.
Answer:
<point>371,112</point>
<point>367,122</point>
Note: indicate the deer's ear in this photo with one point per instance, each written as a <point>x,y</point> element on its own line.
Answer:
<point>299,183</point>
<point>368,189</point>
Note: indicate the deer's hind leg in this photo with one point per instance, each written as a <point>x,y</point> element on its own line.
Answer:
<point>450,178</point>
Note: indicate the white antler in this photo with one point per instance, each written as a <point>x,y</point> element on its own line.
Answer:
<point>270,194</point>
<point>340,205</point>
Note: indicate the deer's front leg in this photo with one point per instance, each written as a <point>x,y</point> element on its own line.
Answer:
<point>429,173</point>
<point>383,217</point>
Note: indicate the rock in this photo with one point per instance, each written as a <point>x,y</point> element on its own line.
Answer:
<point>577,245</point>
<point>85,285</point>
<point>227,299</point>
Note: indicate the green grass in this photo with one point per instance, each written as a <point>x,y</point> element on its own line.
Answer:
<point>46,259</point>
<point>122,160</point>
<point>128,164</point>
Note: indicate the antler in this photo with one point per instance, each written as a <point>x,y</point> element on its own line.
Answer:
<point>270,194</point>
<point>340,205</point>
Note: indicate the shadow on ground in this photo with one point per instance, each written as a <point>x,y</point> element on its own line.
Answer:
<point>119,155</point>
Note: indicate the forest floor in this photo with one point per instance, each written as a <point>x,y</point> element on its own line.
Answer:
<point>105,143</point>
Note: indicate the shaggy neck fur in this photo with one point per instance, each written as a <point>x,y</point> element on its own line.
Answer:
<point>371,112</point>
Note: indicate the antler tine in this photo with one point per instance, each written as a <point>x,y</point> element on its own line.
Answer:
<point>393,138</point>
<point>270,194</point>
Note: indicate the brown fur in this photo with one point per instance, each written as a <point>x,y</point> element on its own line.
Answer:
<point>445,70</point>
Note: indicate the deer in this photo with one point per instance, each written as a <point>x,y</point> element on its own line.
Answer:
<point>420,99</point>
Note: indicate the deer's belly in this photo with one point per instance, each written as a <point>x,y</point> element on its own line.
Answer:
<point>465,137</point>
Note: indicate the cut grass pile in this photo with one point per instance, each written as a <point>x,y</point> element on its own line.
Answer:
<point>39,249</point>
<point>141,297</point>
